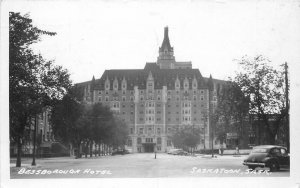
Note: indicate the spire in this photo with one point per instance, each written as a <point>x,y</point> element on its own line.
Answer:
<point>166,55</point>
<point>93,82</point>
<point>210,83</point>
<point>166,46</point>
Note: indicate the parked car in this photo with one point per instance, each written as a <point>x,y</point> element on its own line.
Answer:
<point>118,152</point>
<point>177,152</point>
<point>271,156</point>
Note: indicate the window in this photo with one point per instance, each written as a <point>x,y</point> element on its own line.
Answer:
<point>195,98</point>
<point>106,92</point>
<point>100,99</point>
<point>139,140</point>
<point>149,140</point>
<point>131,98</point>
<point>123,98</point>
<point>141,119</point>
<point>169,129</point>
<point>169,97</point>
<point>158,140</point>
<point>195,92</point>
<point>123,106</point>
<point>201,91</point>
<point>142,98</point>
<point>158,148</point>
<point>141,91</point>
<point>107,86</point>
<point>106,98</point>
<point>201,97</point>
<point>100,92</point>
<point>141,131</point>
<point>131,92</point>
<point>123,92</point>
<point>158,97</point>
<point>131,130</point>
<point>168,142</point>
<point>115,86</point>
<point>129,143</point>
<point>158,130</point>
<point>124,113</point>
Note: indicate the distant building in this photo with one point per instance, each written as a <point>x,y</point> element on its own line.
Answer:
<point>44,135</point>
<point>155,100</point>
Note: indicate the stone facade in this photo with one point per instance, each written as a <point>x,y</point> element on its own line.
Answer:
<point>155,100</point>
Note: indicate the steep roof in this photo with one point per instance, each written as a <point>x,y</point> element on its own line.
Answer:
<point>138,77</point>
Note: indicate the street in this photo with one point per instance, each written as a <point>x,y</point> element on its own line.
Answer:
<point>142,165</point>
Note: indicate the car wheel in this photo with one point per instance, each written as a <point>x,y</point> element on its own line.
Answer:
<point>273,166</point>
<point>252,167</point>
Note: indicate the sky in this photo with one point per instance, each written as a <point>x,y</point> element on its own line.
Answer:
<point>99,35</point>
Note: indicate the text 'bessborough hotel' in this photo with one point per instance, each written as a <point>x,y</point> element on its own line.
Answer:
<point>156,100</point>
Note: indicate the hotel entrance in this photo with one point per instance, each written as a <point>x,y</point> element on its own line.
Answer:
<point>149,147</point>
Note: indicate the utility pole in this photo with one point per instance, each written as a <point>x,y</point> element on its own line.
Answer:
<point>287,136</point>
<point>34,142</point>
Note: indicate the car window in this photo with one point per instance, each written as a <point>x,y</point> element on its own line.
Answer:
<point>275,151</point>
<point>259,150</point>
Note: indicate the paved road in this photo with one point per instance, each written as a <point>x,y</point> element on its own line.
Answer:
<point>139,166</point>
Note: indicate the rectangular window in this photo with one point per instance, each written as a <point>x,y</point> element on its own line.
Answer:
<point>158,130</point>
<point>123,98</point>
<point>131,130</point>
<point>141,131</point>
<point>169,143</point>
<point>106,98</point>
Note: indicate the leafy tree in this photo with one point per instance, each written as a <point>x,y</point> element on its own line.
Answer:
<point>66,119</point>
<point>33,81</point>
<point>186,137</point>
<point>264,86</point>
<point>232,108</point>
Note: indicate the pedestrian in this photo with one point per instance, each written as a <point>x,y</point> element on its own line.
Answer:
<point>237,150</point>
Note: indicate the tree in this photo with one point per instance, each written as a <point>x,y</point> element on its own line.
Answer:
<point>231,110</point>
<point>66,119</point>
<point>186,137</point>
<point>264,86</point>
<point>33,81</point>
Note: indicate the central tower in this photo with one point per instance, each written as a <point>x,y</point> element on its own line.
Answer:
<point>166,58</point>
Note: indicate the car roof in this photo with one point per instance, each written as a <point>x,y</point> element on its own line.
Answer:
<point>267,146</point>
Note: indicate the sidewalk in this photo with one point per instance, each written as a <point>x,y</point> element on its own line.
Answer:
<point>26,161</point>
<point>220,156</point>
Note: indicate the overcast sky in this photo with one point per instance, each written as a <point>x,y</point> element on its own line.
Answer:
<point>95,36</point>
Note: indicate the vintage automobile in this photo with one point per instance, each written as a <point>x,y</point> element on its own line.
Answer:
<point>177,152</point>
<point>270,156</point>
